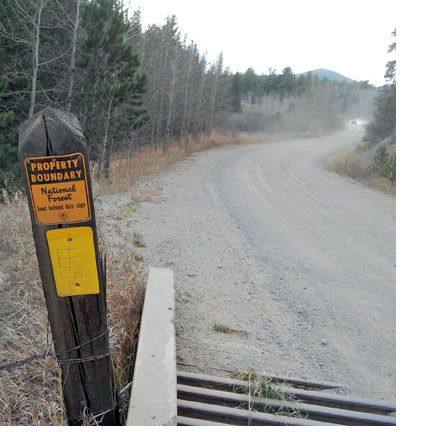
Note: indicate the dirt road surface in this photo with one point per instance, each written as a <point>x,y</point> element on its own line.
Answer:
<point>264,240</point>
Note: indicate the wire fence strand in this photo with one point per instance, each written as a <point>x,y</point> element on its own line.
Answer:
<point>22,362</point>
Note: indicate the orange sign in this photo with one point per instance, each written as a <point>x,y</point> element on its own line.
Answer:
<point>58,189</point>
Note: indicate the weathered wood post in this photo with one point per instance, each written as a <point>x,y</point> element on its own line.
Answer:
<point>54,159</point>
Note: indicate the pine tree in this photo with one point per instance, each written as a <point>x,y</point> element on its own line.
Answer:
<point>300,84</point>
<point>390,74</point>
<point>236,93</point>
<point>384,118</point>
<point>111,88</point>
<point>384,164</point>
<point>383,123</point>
<point>381,162</point>
<point>8,151</point>
<point>249,83</point>
<point>287,82</point>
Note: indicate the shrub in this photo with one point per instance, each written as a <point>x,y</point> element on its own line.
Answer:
<point>384,164</point>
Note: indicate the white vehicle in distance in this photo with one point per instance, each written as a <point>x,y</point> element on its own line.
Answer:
<point>357,122</point>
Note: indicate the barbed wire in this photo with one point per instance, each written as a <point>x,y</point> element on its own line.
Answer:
<point>84,359</point>
<point>82,344</point>
<point>96,417</point>
<point>22,362</point>
<point>18,363</point>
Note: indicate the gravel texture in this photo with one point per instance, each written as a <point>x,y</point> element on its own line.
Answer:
<point>263,240</point>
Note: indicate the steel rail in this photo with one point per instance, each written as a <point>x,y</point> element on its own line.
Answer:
<point>239,417</point>
<point>315,397</point>
<point>313,412</point>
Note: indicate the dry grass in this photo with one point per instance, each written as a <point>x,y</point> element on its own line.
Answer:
<point>146,195</point>
<point>148,160</point>
<point>125,300</point>
<point>351,164</point>
<point>31,394</point>
<point>124,171</point>
<point>381,183</point>
<point>357,165</point>
<point>263,388</point>
<point>224,328</point>
<point>137,240</point>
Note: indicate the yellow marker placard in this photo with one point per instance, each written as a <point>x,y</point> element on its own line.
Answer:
<point>58,189</point>
<point>73,261</point>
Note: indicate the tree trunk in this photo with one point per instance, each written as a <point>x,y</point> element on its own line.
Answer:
<point>36,40</point>
<point>171,96</point>
<point>72,59</point>
<point>200,103</point>
<point>104,154</point>
<point>184,130</point>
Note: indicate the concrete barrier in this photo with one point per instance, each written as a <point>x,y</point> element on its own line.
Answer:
<point>154,389</point>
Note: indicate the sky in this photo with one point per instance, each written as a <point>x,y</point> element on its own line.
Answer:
<point>349,37</point>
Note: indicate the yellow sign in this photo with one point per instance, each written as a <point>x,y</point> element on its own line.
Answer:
<point>73,260</point>
<point>58,189</point>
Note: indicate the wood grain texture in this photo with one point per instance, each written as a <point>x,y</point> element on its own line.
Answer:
<point>78,319</point>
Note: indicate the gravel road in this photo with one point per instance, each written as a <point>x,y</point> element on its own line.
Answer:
<point>302,261</point>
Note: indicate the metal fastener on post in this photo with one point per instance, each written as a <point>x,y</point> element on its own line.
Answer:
<point>54,159</point>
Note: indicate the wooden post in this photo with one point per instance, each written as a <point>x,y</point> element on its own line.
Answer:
<point>54,160</point>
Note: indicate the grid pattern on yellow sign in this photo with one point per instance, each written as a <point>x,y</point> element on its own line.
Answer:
<point>73,261</point>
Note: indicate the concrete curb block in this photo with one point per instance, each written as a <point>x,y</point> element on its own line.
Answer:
<point>154,389</point>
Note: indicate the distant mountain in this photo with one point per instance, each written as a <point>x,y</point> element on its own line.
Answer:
<point>329,74</point>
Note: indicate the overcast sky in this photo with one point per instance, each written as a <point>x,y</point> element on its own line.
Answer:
<point>349,37</point>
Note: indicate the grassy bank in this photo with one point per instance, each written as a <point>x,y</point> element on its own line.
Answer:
<point>359,165</point>
<point>125,171</point>
<point>30,391</point>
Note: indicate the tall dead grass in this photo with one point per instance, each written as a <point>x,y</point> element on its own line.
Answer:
<point>357,165</point>
<point>31,393</point>
<point>125,171</point>
<point>125,287</point>
<point>351,164</point>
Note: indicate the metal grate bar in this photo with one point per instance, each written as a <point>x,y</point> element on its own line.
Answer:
<point>298,382</point>
<point>309,396</point>
<point>314,412</point>
<point>189,421</point>
<point>234,416</point>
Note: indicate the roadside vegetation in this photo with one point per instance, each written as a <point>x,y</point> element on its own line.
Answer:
<point>145,98</point>
<point>262,387</point>
<point>135,88</point>
<point>374,160</point>
<point>138,241</point>
<point>30,391</point>
<point>375,167</point>
<point>227,329</point>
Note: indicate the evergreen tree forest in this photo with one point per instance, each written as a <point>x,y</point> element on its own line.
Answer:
<point>131,86</point>
<point>383,123</point>
<point>381,130</point>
